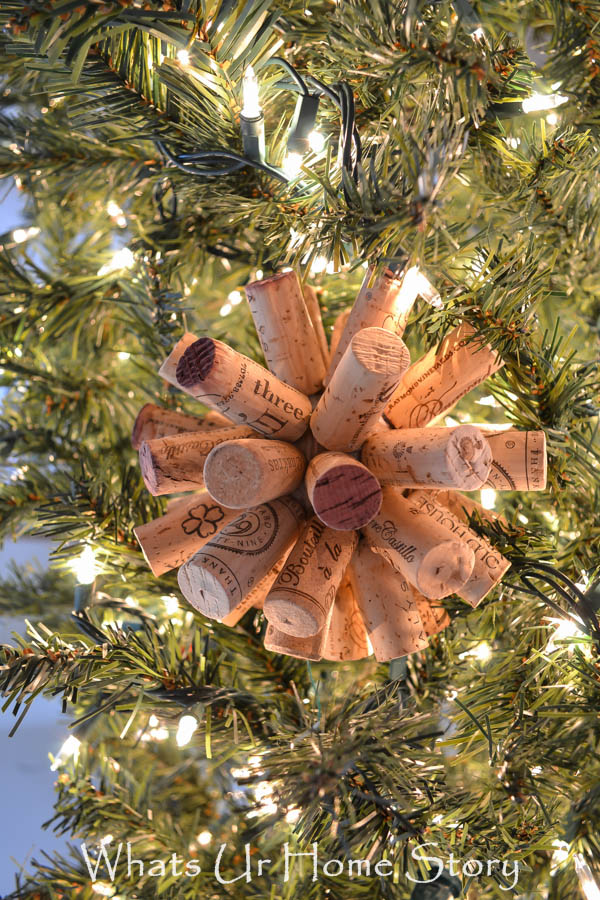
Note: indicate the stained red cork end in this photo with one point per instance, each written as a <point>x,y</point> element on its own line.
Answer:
<point>347,497</point>
<point>196,363</point>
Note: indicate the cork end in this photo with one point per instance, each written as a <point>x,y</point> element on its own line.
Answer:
<point>196,363</point>
<point>148,469</point>
<point>347,497</point>
<point>285,613</point>
<point>445,569</point>
<point>381,352</point>
<point>138,426</point>
<point>290,275</point>
<point>202,590</point>
<point>233,474</point>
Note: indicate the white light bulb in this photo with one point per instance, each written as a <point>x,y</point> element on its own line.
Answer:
<point>185,729</point>
<point>588,883</point>
<point>103,888</point>
<point>84,568</point>
<point>121,259</point>
<point>478,34</point>
<point>318,265</point>
<point>204,838</point>
<point>184,57</point>
<point>316,141</point>
<point>113,209</point>
<point>292,164</point>
<point>235,297</point>
<point>70,748</point>
<point>171,604</point>
<point>292,815</point>
<point>23,234</point>
<point>540,102</point>
<point>483,652</point>
<point>251,105</point>
<point>552,118</point>
<point>123,354</point>
<point>225,309</point>
<point>488,498</point>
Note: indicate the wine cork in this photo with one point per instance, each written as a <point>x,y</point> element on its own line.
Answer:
<point>433,615</point>
<point>238,387</point>
<point>155,422</point>
<point>314,311</point>
<point>519,459</point>
<point>168,369</point>
<point>490,566</point>
<point>457,457</point>
<point>439,379</point>
<point>286,332</point>
<point>257,595</point>
<point>387,605</point>
<point>347,635</point>
<point>170,540</point>
<point>336,334</point>
<point>301,599</point>
<point>217,578</point>
<point>310,648</point>
<point>426,553</point>
<point>462,506</point>
<point>249,472</point>
<point>342,492</point>
<point>360,389</point>
<point>386,303</point>
<point>176,462</point>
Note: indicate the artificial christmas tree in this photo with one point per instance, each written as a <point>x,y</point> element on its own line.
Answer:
<point>451,147</point>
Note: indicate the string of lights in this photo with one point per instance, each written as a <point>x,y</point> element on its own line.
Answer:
<point>302,134</point>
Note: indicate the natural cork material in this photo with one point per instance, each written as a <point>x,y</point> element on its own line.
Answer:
<point>342,492</point>
<point>366,377</point>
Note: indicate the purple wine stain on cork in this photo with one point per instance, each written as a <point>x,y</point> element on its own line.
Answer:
<point>196,363</point>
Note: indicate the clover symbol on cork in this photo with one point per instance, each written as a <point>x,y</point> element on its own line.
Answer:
<point>311,495</point>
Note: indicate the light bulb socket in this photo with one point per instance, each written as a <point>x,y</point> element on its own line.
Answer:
<point>303,122</point>
<point>253,137</point>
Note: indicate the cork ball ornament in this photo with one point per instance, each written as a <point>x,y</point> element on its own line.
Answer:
<point>323,489</point>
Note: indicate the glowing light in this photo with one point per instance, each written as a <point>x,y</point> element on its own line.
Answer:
<point>513,142</point>
<point>20,235</point>
<point>259,274</point>
<point>478,34</point>
<point>115,212</point>
<point>235,297</point>
<point>318,265</point>
<point>483,652</point>
<point>121,259</point>
<point>560,855</point>
<point>123,354</point>
<point>316,141</point>
<point>225,309</point>
<point>70,749</point>
<point>488,498</point>
<point>171,604</point>
<point>184,57</point>
<point>587,882</point>
<point>103,888</point>
<point>113,209</point>
<point>84,568</point>
<point>541,102</point>
<point>415,282</point>
<point>488,401</point>
<point>204,838</point>
<point>566,629</point>
<point>185,730</point>
<point>263,790</point>
<point>251,104</point>
<point>18,352</point>
<point>537,770</point>
<point>292,815</point>
<point>153,721</point>
<point>552,119</point>
<point>292,165</point>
